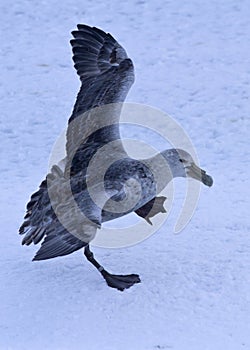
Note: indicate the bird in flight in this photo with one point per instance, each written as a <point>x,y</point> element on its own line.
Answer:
<point>73,201</point>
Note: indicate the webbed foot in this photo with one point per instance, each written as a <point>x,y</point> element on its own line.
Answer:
<point>120,282</point>
<point>152,208</point>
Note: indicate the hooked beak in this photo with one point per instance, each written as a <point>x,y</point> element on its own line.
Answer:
<point>197,173</point>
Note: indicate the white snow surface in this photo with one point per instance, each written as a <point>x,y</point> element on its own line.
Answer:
<point>192,61</point>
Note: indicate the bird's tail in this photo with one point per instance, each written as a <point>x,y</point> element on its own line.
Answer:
<point>34,223</point>
<point>41,222</point>
<point>39,211</point>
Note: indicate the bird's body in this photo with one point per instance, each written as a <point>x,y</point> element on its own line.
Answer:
<point>73,201</point>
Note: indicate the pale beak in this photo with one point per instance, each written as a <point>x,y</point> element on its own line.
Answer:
<point>197,173</point>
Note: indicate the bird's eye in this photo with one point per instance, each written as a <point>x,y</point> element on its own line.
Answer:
<point>181,160</point>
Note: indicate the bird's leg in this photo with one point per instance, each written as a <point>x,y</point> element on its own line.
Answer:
<point>119,282</point>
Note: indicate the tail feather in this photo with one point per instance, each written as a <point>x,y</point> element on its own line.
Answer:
<point>33,227</point>
<point>34,235</point>
<point>58,245</point>
<point>41,223</point>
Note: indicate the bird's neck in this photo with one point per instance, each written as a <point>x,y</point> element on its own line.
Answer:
<point>163,168</point>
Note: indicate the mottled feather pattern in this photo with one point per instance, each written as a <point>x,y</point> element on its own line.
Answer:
<point>96,56</point>
<point>106,79</point>
<point>106,75</point>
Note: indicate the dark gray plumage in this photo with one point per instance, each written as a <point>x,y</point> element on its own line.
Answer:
<point>106,75</point>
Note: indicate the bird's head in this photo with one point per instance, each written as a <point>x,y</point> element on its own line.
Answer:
<point>183,165</point>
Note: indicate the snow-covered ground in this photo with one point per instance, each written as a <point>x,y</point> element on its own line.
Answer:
<point>192,61</point>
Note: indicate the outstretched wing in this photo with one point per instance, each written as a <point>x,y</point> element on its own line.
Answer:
<point>106,74</point>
